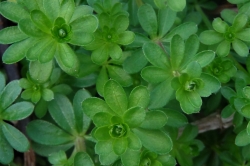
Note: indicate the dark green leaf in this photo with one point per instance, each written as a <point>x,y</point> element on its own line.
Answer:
<point>134,116</point>
<point>154,120</point>
<point>11,35</point>
<point>83,157</point>
<point>139,96</point>
<point>6,151</point>
<point>242,139</point>
<point>41,20</point>
<point>166,18</point>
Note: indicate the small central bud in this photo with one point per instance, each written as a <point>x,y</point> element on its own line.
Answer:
<point>118,130</point>
<point>176,73</point>
<point>109,36</point>
<point>146,162</point>
<point>62,33</point>
<point>36,87</point>
<point>190,86</point>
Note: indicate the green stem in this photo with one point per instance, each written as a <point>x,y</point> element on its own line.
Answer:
<point>204,16</point>
<point>79,146</point>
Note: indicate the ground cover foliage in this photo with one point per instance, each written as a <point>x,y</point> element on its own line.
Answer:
<point>126,83</point>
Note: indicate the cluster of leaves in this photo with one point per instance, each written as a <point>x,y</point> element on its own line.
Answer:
<point>116,82</point>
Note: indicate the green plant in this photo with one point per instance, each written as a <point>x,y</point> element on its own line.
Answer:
<point>126,83</point>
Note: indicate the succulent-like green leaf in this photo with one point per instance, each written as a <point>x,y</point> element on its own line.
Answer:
<point>211,37</point>
<point>80,11</point>
<point>62,112</point>
<point>67,9</point>
<point>134,116</point>
<point>239,22</point>
<point>52,9</point>
<point>126,37</point>
<point>219,25</point>
<point>102,133</point>
<point>177,49</point>
<point>176,5</point>
<point>13,11</point>
<point>18,111</point>
<point>154,120</point>
<point>159,75</point>
<point>2,81</point>
<point>134,142</point>
<point>118,74</point>
<point>139,96</point>
<point>120,145</point>
<point>100,55</point>
<point>6,151</point>
<point>41,21</point>
<point>175,118</point>
<point>11,35</point>
<point>16,139</point>
<point>121,23</point>
<point>101,80</point>
<point>83,157</point>
<point>147,19</point>
<point>166,18</point>
<point>243,34</point>
<point>48,134</point>
<point>9,94</point>
<point>242,139</point>
<point>93,105</point>
<point>240,48</point>
<point>154,140</point>
<point>115,97</point>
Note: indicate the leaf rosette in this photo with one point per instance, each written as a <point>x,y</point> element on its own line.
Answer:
<point>123,125</point>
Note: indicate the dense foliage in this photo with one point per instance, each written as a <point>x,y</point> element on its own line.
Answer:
<point>126,82</point>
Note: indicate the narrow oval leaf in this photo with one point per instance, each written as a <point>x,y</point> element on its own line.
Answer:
<point>242,139</point>
<point>9,94</point>
<point>120,145</point>
<point>139,96</point>
<point>18,111</point>
<point>11,35</point>
<point>177,5</point>
<point>41,20</point>
<point>166,18</point>
<point>154,140</point>
<point>62,112</point>
<point>13,11</point>
<point>48,134</point>
<point>154,120</point>
<point>67,9</point>
<point>16,139</point>
<point>83,157</point>
<point>147,19</point>
<point>40,72</point>
<point>159,75</point>
<point>120,75</point>
<point>93,105</point>
<point>211,37</point>
<point>134,116</point>
<point>115,97</point>
<point>6,151</point>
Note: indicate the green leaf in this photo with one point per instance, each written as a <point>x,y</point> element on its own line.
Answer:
<point>81,38</point>
<point>93,105</point>
<point>184,30</point>
<point>193,69</point>
<point>190,101</point>
<point>243,34</point>
<point>219,25</point>
<point>159,75</point>
<point>223,48</point>
<point>120,145</point>
<point>204,57</point>
<point>155,55</point>
<point>212,85</point>
<point>67,9</point>
<point>177,5</point>
<point>135,62</point>
<point>83,157</point>
<point>166,18</point>
<point>118,74</point>
<point>2,81</point>
<point>80,11</point>
<point>154,120</point>
<point>48,52</point>
<point>16,139</point>
<point>41,108</point>
<point>62,112</point>
<point>18,111</point>
<point>102,133</point>
<point>134,142</point>
<point>154,140</point>
<point>134,116</point>
<point>30,29</point>
<point>9,94</point>
<point>82,121</point>
<point>41,21</point>
<point>102,119</point>
<point>121,23</point>
<point>177,49</point>
<point>101,80</point>
<point>52,9</point>
<point>228,15</point>
<point>126,38</point>
<point>6,151</point>
<point>67,59</point>
<point>248,128</point>
<point>175,118</point>
<point>189,133</point>
<point>13,11</point>
<point>227,111</point>
<point>139,96</point>
<point>245,111</point>
<point>130,157</point>
<point>57,158</point>
<point>47,94</point>
<point>115,51</point>
<point>240,48</point>
<point>11,35</point>
<point>115,97</point>
<point>240,22</point>
<point>211,37</point>
<point>40,72</point>
<point>105,150</point>
<point>17,51</point>
<point>147,19</point>
<point>242,139</point>
<point>100,55</point>
<point>161,94</point>
<point>48,134</point>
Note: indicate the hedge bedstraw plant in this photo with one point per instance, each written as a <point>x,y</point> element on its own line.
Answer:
<point>126,83</point>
